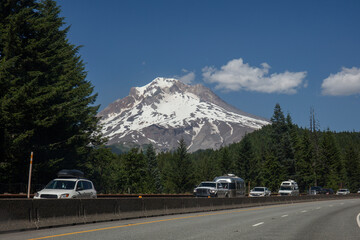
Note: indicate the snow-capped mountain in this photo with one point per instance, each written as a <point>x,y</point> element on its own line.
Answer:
<point>166,110</point>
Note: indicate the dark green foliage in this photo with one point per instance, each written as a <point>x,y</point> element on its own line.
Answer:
<point>153,178</point>
<point>104,169</point>
<point>134,171</point>
<point>226,162</point>
<point>305,172</point>
<point>352,166</point>
<point>179,175</point>
<point>46,103</point>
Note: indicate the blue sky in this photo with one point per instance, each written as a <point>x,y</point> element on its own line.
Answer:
<point>253,54</point>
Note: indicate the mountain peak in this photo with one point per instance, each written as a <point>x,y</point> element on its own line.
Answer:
<point>166,110</point>
<point>159,82</point>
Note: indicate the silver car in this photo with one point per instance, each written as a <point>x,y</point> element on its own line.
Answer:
<point>68,188</point>
<point>69,184</point>
<point>343,191</point>
<point>260,192</point>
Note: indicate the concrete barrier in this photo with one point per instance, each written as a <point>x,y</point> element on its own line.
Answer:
<point>23,214</point>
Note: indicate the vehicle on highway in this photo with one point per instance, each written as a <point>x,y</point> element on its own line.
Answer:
<point>328,191</point>
<point>259,192</point>
<point>69,184</point>
<point>289,188</point>
<point>234,184</point>
<point>315,190</point>
<point>358,191</point>
<point>343,191</point>
<point>211,189</point>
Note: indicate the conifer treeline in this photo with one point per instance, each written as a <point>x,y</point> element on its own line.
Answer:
<point>266,157</point>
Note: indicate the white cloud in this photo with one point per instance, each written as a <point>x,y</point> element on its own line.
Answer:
<point>188,78</point>
<point>344,83</point>
<point>237,75</point>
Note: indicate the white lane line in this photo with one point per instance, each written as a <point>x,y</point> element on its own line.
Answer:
<point>284,215</point>
<point>258,224</point>
<point>358,219</point>
<point>304,211</point>
<point>318,208</point>
<point>331,205</point>
<point>342,203</point>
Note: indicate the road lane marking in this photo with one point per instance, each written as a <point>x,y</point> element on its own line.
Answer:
<point>358,219</point>
<point>304,211</point>
<point>258,224</point>
<point>331,205</point>
<point>284,215</point>
<point>156,221</point>
<point>318,208</point>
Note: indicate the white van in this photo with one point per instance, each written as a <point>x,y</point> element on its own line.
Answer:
<point>289,188</point>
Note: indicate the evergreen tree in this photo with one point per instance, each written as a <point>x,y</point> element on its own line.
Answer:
<point>134,170</point>
<point>330,169</point>
<point>226,162</point>
<point>352,163</point>
<point>247,166</point>
<point>279,142</point>
<point>152,173</point>
<point>102,169</point>
<point>304,163</point>
<point>181,175</point>
<point>206,167</point>
<point>45,99</point>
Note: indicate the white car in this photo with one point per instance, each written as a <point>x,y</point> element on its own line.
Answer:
<point>260,192</point>
<point>343,191</point>
<point>67,186</point>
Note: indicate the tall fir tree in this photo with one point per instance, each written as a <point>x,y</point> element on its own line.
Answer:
<point>46,101</point>
<point>304,162</point>
<point>331,167</point>
<point>134,170</point>
<point>352,166</point>
<point>181,174</point>
<point>153,181</point>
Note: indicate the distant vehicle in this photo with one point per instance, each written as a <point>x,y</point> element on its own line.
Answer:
<point>69,184</point>
<point>328,191</point>
<point>358,191</point>
<point>289,188</point>
<point>234,184</point>
<point>316,190</point>
<point>343,191</point>
<point>210,189</point>
<point>259,192</point>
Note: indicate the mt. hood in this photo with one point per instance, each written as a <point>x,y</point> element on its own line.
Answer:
<point>166,110</point>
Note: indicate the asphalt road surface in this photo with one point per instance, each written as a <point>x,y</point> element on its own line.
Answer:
<point>337,219</point>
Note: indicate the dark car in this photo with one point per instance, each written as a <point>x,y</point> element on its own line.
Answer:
<point>328,191</point>
<point>316,190</point>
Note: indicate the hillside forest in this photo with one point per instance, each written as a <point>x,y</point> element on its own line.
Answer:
<point>47,106</point>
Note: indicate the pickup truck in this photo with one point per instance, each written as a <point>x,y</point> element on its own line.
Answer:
<point>210,189</point>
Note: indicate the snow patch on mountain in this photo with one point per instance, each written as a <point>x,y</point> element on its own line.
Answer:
<point>166,110</point>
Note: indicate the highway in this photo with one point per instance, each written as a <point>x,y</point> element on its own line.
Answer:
<point>336,219</point>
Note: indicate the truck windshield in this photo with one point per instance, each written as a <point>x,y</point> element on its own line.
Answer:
<point>205,184</point>
<point>59,184</point>
<point>285,188</point>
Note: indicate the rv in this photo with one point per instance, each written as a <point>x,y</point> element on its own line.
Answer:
<point>289,188</point>
<point>234,185</point>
